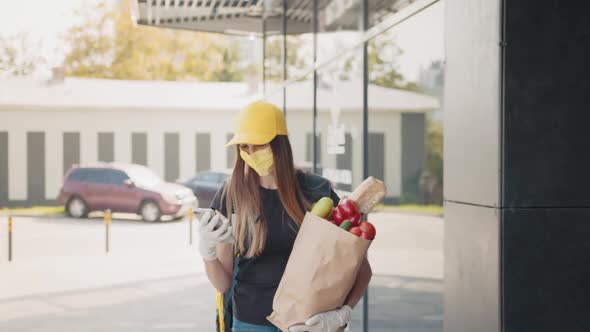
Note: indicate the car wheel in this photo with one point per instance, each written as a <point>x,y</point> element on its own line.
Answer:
<point>77,208</point>
<point>150,211</point>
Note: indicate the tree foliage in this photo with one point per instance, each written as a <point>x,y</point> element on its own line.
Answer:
<point>18,56</point>
<point>107,44</point>
<point>434,149</point>
<point>274,53</point>
<point>382,63</point>
<point>382,55</point>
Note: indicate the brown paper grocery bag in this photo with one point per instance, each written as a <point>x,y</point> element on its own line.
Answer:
<point>320,272</point>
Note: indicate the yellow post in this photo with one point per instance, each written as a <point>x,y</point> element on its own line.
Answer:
<point>9,238</point>
<point>107,224</point>
<point>190,227</point>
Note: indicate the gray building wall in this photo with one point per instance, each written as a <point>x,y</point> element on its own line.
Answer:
<point>516,170</point>
<point>309,147</point>
<point>203,153</point>
<point>3,167</point>
<point>171,156</point>
<point>139,148</point>
<point>70,138</point>
<point>38,159</point>
<point>71,150</point>
<point>36,166</point>
<point>413,159</point>
<point>545,201</point>
<point>377,155</point>
<point>471,169</point>
<point>106,147</point>
<point>231,152</point>
<point>344,161</point>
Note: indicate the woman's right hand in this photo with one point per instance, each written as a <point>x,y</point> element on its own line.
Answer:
<point>209,237</point>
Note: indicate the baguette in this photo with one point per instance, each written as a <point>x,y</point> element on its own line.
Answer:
<point>368,194</point>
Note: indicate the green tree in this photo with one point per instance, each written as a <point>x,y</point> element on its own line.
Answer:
<point>434,149</point>
<point>107,44</point>
<point>382,54</point>
<point>229,69</point>
<point>382,58</point>
<point>18,55</point>
<point>273,59</point>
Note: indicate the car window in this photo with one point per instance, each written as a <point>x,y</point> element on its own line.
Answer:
<point>115,177</point>
<point>143,176</point>
<point>222,177</point>
<point>78,175</point>
<point>95,175</point>
<point>206,177</point>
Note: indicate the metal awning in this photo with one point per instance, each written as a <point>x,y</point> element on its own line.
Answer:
<point>224,16</point>
<point>245,16</point>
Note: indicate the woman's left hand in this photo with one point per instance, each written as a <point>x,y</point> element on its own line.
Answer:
<point>329,321</point>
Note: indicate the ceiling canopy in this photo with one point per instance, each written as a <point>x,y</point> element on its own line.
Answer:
<point>245,16</point>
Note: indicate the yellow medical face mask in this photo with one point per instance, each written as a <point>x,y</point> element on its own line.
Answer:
<point>260,161</point>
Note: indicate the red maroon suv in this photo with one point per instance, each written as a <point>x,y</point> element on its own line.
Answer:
<point>123,188</point>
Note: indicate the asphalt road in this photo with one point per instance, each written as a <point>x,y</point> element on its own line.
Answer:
<point>62,279</point>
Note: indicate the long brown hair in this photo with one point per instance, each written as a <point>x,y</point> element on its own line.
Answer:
<point>242,195</point>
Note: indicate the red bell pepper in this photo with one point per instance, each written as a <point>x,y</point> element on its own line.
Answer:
<point>338,216</point>
<point>347,206</point>
<point>346,209</point>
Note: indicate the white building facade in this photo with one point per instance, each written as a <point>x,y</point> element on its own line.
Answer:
<point>176,129</point>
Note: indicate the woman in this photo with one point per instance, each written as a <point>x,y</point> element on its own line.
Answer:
<point>268,198</point>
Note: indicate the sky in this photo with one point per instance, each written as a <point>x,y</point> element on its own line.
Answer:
<point>420,37</point>
<point>43,21</point>
<point>43,18</point>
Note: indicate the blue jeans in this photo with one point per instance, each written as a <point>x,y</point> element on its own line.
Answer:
<point>240,326</point>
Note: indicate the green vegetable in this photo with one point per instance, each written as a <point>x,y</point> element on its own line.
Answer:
<point>323,207</point>
<point>345,225</point>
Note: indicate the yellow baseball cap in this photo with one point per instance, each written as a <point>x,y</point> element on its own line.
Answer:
<point>258,124</point>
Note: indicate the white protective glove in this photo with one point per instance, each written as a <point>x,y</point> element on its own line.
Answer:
<point>209,238</point>
<point>329,321</point>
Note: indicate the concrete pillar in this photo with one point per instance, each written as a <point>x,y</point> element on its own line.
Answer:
<point>517,167</point>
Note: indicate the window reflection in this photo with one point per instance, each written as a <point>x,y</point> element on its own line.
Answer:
<point>405,71</point>
<point>340,111</point>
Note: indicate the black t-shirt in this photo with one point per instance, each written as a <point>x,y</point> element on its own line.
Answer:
<point>258,277</point>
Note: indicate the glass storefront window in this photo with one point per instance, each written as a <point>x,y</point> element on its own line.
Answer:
<point>299,55</point>
<point>404,140</point>
<point>405,83</point>
<point>273,47</point>
<point>299,94</point>
<point>273,68</point>
<point>340,111</point>
<point>338,28</point>
<point>380,11</point>
<point>340,143</point>
<point>299,39</point>
<point>299,100</point>
<point>405,71</point>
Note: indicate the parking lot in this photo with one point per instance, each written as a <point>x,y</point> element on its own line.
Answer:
<point>61,278</point>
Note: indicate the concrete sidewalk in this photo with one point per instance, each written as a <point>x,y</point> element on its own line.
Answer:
<point>174,304</point>
<point>152,280</point>
<point>188,304</point>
